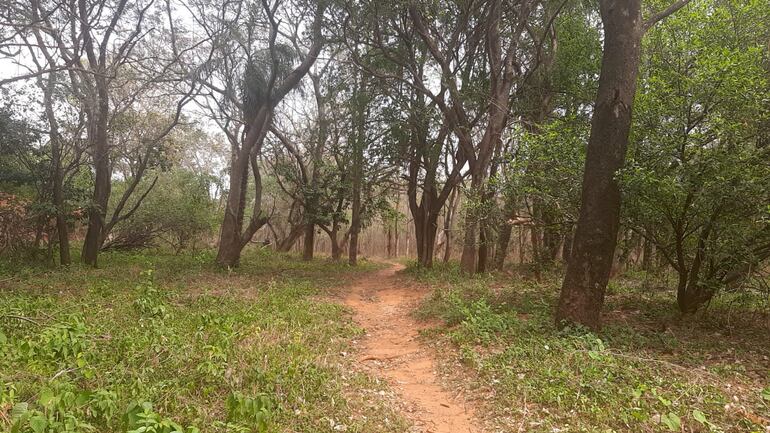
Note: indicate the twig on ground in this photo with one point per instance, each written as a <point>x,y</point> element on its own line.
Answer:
<point>26,319</point>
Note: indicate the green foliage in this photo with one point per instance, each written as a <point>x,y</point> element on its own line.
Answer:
<point>697,181</point>
<point>254,411</point>
<point>170,343</point>
<point>632,377</point>
<point>179,212</point>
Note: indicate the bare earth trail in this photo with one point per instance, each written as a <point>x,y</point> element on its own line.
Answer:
<point>390,350</point>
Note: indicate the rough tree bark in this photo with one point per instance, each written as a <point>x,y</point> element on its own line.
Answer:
<point>588,271</point>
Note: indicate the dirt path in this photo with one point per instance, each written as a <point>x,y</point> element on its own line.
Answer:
<point>391,350</point>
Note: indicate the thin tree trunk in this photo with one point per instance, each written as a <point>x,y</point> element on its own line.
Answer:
<point>566,250</point>
<point>448,219</point>
<point>57,175</point>
<point>647,255</point>
<point>355,225</point>
<point>390,240</point>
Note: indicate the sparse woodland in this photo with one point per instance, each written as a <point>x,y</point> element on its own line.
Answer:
<point>206,206</point>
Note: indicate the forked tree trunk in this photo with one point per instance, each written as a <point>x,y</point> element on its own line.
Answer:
<point>425,230</point>
<point>588,271</point>
<point>233,237</point>
<point>336,249</point>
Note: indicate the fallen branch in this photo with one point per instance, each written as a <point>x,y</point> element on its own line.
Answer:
<point>26,319</point>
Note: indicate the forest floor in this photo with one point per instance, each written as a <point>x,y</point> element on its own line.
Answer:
<point>157,342</point>
<point>647,370</point>
<point>391,349</point>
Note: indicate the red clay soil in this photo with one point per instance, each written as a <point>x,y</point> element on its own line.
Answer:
<point>391,351</point>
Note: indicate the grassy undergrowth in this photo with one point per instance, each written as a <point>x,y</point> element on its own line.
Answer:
<point>161,343</point>
<point>647,371</point>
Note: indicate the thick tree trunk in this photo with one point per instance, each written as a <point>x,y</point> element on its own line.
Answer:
<point>551,238</point>
<point>102,182</point>
<point>588,271</point>
<point>504,231</point>
<point>503,239</point>
<point>425,229</point>
<point>395,236</point>
<point>308,245</point>
<point>229,252</point>
<point>336,249</point>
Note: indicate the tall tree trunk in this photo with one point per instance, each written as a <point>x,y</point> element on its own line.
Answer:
<point>358,143</point>
<point>505,230</point>
<point>229,251</point>
<point>58,200</point>
<point>101,195</point>
<point>551,236</point>
<point>588,271</point>
<point>97,214</point>
<point>57,175</point>
<point>503,239</point>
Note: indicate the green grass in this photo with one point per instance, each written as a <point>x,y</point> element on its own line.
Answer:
<point>160,343</point>
<point>647,371</point>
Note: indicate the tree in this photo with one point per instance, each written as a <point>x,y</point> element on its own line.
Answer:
<point>263,68</point>
<point>696,186</point>
<point>593,248</point>
<point>104,49</point>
